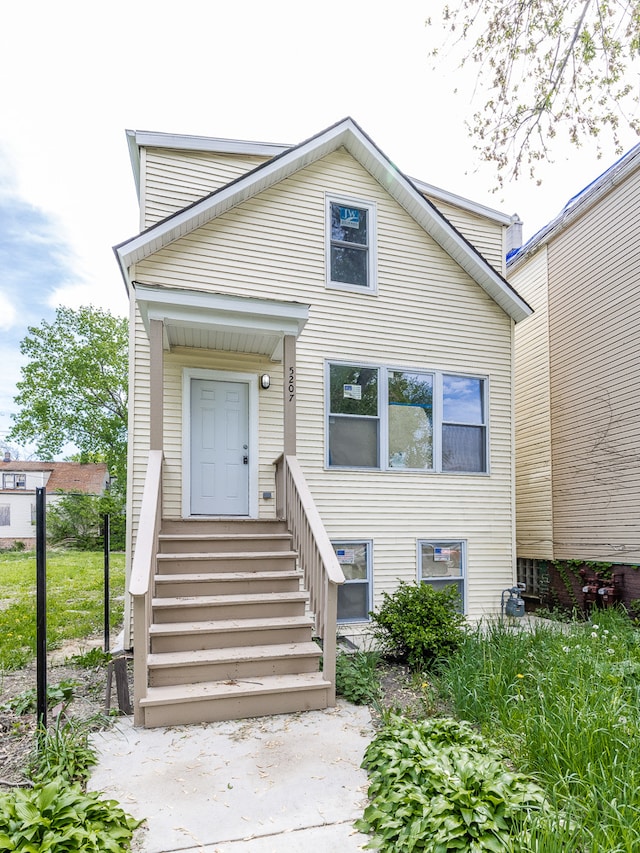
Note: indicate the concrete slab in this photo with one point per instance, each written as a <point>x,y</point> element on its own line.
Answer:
<point>264,785</point>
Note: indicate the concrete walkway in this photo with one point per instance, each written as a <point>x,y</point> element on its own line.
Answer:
<point>266,785</point>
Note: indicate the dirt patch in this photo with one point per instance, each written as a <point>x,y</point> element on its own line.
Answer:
<point>17,730</point>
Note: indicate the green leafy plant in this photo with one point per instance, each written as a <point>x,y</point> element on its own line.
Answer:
<point>58,818</point>
<point>418,624</point>
<point>63,751</point>
<point>93,658</point>
<point>27,701</point>
<point>357,678</point>
<point>437,785</point>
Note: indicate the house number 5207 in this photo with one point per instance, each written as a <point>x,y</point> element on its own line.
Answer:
<point>292,383</point>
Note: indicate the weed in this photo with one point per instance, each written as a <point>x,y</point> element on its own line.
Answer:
<point>26,702</point>
<point>357,677</point>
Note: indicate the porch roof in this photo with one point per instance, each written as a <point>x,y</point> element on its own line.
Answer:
<point>195,318</point>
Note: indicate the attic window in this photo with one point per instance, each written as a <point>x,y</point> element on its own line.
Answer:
<point>14,481</point>
<point>351,245</point>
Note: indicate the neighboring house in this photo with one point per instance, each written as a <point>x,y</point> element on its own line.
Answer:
<point>578,390</point>
<point>312,305</point>
<point>18,484</point>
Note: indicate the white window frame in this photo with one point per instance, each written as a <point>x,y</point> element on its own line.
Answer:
<point>372,255</point>
<point>18,481</point>
<point>5,515</point>
<point>440,542</point>
<point>383,417</point>
<point>368,543</point>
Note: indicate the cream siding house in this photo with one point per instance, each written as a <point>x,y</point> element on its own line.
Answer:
<point>578,379</point>
<point>365,338</point>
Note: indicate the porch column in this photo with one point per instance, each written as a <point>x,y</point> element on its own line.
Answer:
<point>289,382</point>
<point>156,361</point>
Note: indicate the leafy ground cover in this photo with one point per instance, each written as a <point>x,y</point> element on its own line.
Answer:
<point>557,705</point>
<point>75,603</point>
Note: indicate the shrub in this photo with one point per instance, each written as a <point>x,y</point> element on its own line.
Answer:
<point>76,521</point>
<point>418,624</point>
<point>357,678</point>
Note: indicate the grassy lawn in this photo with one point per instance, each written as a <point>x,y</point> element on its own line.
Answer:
<point>75,600</point>
<point>565,704</point>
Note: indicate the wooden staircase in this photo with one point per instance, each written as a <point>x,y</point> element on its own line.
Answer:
<point>230,636</point>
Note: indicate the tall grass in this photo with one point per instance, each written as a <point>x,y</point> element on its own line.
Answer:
<point>566,701</point>
<point>75,602</point>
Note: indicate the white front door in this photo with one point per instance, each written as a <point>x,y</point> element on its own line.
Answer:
<point>219,447</point>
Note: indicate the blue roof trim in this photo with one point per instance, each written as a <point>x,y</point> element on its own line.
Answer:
<point>574,202</point>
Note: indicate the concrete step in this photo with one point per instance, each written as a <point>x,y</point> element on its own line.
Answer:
<point>242,561</point>
<point>234,699</point>
<point>174,543</point>
<point>192,667</point>
<point>208,607</point>
<point>226,583</point>
<point>226,633</point>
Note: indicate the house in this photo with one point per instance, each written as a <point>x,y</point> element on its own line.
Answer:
<point>322,368</point>
<point>18,492</point>
<point>578,395</point>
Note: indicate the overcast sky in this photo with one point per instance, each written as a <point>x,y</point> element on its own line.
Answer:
<point>75,75</point>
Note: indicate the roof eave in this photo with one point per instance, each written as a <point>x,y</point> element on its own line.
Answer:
<point>349,135</point>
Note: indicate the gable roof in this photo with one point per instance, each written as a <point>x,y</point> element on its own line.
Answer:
<point>579,204</point>
<point>89,478</point>
<point>344,134</point>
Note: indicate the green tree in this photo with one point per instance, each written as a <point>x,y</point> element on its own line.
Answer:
<point>74,387</point>
<point>546,67</point>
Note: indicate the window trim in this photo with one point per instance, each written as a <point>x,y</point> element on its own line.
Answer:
<point>383,417</point>
<point>371,287</point>
<point>440,541</point>
<point>368,543</point>
<point>19,481</point>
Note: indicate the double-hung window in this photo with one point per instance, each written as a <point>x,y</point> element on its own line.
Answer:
<point>354,595</point>
<point>351,245</point>
<point>384,418</point>
<point>14,481</point>
<point>354,417</point>
<point>464,430</point>
<point>442,564</point>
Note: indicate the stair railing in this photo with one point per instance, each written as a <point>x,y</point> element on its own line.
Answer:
<point>142,572</point>
<point>321,570</point>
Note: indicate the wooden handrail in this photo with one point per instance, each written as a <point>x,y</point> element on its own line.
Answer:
<point>142,571</point>
<point>321,571</point>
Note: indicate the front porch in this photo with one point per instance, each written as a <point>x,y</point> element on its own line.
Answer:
<point>225,607</point>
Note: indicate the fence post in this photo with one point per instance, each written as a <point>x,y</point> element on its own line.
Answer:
<point>41,606</point>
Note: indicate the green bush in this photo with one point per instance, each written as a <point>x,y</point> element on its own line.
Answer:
<point>58,818</point>
<point>437,785</point>
<point>77,521</point>
<point>357,677</point>
<point>418,624</point>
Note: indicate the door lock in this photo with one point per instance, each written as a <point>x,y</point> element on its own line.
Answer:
<point>245,460</point>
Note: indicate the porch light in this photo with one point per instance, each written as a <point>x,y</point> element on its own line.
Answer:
<point>265,381</point>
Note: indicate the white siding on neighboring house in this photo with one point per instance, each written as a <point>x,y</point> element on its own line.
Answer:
<point>427,314</point>
<point>534,510</point>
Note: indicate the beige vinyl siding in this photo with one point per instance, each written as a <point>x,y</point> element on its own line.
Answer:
<point>427,314</point>
<point>594,293</point>
<point>175,179</point>
<point>534,508</point>
<point>486,235</point>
